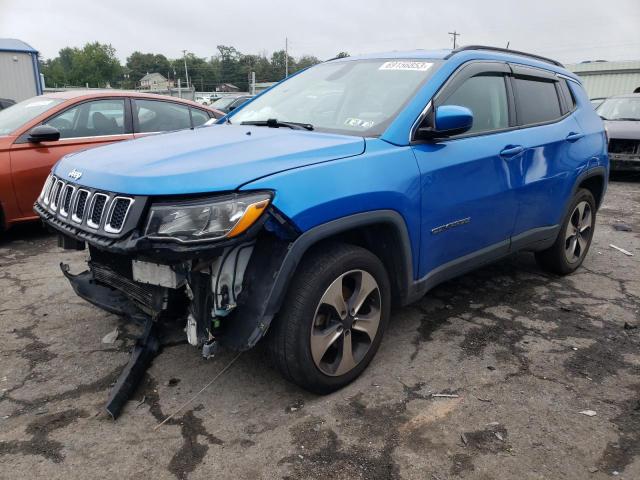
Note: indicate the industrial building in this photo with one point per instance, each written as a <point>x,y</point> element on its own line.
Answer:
<point>19,70</point>
<point>604,79</point>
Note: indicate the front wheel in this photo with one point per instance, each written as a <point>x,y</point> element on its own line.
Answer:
<point>333,319</point>
<point>573,242</point>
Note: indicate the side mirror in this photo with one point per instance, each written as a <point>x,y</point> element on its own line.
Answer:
<point>44,133</point>
<point>232,107</point>
<point>448,120</point>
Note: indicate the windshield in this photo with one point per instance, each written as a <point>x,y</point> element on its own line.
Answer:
<point>359,97</point>
<point>223,102</point>
<point>620,108</point>
<point>17,115</point>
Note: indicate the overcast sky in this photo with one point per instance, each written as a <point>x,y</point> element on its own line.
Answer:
<point>569,30</point>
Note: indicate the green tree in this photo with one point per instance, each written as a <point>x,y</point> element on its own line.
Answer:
<point>94,64</point>
<point>97,65</point>
<point>278,65</point>
<point>306,61</point>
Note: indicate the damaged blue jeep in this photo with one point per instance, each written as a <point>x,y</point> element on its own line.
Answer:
<point>305,214</point>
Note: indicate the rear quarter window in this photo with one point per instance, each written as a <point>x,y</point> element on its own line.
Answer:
<point>536,101</point>
<point>569,99</point>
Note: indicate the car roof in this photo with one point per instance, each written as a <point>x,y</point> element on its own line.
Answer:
<point>86,94</point>
<point>470,53</point>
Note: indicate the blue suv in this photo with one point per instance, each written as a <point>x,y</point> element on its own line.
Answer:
<point>356,184</point>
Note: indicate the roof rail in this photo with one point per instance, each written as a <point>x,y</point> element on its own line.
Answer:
<point>504,50</point>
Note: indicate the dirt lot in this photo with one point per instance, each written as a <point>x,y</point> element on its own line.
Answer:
<point>523,351</point>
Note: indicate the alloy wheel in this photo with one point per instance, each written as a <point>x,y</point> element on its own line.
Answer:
<point>345,322</point>
<point>578,232</point>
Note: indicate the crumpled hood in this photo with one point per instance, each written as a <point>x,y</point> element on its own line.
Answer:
<point>623,129</point>
<point>209,159</point>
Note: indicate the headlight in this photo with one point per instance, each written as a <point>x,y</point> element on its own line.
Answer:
<point>209,219</point>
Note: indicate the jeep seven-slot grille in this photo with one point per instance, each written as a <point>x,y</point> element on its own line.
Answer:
<point>95,210</point>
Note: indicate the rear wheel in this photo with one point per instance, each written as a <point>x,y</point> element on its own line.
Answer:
<point>573,242</point>
<point>333,319</point>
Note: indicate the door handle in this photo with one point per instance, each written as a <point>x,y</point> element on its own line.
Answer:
<point>511,151</point>
<point>574,136</point>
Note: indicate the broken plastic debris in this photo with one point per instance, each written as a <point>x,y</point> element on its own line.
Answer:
<point>111,337</point>
<point>588,413</point>
<point>626,252</point>
<point>622,227</point>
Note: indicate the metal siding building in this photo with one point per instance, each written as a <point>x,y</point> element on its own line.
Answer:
<point>604,79</point>
<point>19,70</point>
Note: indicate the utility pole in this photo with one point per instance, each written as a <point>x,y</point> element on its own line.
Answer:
<point>186,73</point>
<point>455,36</point>
<point>286,57</point>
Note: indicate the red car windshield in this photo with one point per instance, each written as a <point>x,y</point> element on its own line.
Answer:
<point>17,115</point>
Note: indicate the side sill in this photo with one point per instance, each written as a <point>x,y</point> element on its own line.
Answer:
<point>534,240</point>
<point>457,267</point>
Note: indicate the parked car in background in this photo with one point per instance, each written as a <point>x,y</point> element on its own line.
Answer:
<point>303,221</point>
<point>596,102</point>
<point>203,99</point>
<point>35,133</point>
<point>227,104</point>
<point>6,103</point>
<point>621,115</point>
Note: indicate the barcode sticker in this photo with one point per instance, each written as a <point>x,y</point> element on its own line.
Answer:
<point>405,65</point>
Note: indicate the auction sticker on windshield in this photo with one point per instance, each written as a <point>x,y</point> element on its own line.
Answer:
<point>404,65</point>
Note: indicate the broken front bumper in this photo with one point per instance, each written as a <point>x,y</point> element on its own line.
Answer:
<point>621,162</point>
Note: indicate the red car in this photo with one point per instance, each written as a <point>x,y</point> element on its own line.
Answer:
<point>36,133</point>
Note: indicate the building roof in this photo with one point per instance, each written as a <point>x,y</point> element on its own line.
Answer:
<point>149,76</point>
<point>15,45</point>
<point>599,67</point>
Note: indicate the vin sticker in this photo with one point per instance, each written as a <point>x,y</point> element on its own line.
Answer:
<point>404,65</point>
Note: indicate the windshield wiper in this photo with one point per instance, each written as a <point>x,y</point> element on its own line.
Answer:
<point>625,119</point>
<point>274,123</point>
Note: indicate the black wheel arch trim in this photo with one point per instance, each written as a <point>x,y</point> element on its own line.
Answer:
<point>326,230</point>
<point>599,171</point>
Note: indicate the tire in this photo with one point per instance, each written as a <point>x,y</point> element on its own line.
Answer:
<point>568,251</point>
<point>308,320</point>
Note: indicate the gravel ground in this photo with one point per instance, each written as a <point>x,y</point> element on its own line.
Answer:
<point>522,351</point>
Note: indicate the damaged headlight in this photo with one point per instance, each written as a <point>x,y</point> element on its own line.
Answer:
<point>210,219</point>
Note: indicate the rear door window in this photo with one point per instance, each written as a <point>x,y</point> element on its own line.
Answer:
<point>536,100</point>
<point>159,116</point>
